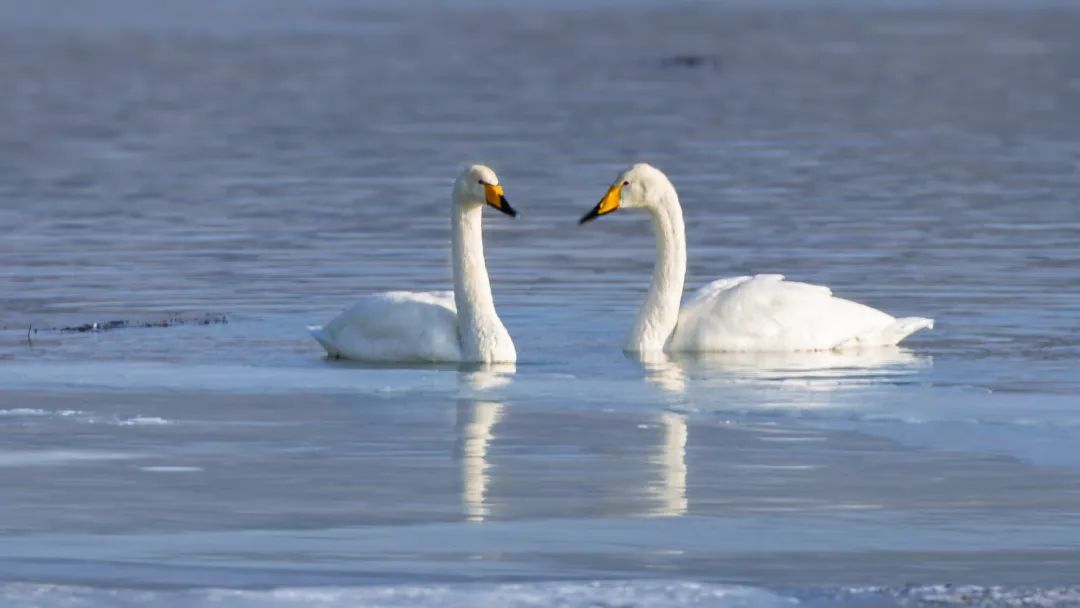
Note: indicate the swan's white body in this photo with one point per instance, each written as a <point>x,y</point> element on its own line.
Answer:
<point>765,312</point>
<point>437,326</point>
<point>749,313</point>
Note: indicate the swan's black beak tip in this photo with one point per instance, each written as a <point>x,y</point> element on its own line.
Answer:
<point>502,205</point>
<point>591,215</point>
<point>506,208</point>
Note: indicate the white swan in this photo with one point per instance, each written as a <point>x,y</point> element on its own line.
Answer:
<point>750,313</point>
<point>437,326</point>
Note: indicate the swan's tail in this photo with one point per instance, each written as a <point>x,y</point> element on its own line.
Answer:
<point>903,328</point>
<point>319,333</point>
<point>891,334</point>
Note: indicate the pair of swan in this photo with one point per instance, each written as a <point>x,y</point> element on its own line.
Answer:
<point>739,314</point>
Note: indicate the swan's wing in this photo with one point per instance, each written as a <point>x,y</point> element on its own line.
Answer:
<point>395,326</point>
<point>767,313</point>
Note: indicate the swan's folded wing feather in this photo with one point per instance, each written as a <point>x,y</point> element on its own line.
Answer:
<point>767,313</point>
<point>395,326</point>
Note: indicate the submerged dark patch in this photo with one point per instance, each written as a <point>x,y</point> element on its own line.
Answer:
<point>690,61</point>
<point>127,324</point>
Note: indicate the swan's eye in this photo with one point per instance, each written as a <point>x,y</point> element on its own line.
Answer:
<point>480,181</point>
<point>626,183</point>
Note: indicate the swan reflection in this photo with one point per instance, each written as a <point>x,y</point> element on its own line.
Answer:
<point>487,377</point>
<point>692,381</point>
<point>846,363</point>
<point>671,461</point>
<point>476,417</point>
<point>665,372</point>
<point>818,370</point>
<point>475,421</point>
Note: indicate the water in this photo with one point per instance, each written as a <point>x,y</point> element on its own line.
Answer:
<point>270,161</point>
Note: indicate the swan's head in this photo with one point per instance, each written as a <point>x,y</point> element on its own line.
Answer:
<point>477,185</point>
<point>642,186</point>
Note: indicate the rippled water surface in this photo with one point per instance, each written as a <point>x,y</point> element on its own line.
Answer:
<point>263,163</point>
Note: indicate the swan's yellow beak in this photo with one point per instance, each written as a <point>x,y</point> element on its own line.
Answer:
<point>609,203</point>
<point>493,194</point>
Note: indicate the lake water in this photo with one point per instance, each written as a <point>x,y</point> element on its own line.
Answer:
<point>264,162</point>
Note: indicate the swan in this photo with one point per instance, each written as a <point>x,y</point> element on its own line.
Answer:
<point>436,326</point>
<point>739,314</point>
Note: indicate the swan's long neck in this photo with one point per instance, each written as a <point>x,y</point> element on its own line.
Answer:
<point>660,312</point>
<point>479,327</point>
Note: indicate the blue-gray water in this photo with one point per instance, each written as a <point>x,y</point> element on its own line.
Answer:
<point>270,161</point>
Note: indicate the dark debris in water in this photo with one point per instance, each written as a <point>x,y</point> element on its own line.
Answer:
<point>690,61</point>
<point>87,327</point>
<point>128,324</point>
